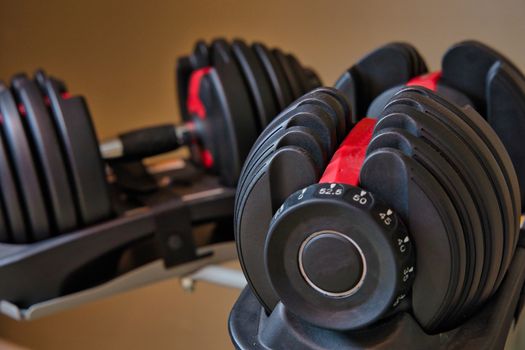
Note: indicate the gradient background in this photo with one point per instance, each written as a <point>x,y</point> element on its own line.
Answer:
<point>121,55</point>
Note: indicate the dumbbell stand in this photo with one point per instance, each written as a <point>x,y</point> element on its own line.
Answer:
<point>251,328</point>
<point>146,274</point>
<point>89,257</point>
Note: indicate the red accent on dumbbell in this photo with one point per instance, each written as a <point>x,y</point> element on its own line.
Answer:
<point>345,165</point>
<point>194,103</point>
<point>429,81</point>
<point>22,108</point>
<point>207,158</point>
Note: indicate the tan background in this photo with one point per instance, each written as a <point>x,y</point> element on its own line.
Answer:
<point>121,54</point>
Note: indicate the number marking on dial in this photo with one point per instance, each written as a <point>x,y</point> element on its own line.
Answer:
<point>360,198</point>
<point>331,191</point>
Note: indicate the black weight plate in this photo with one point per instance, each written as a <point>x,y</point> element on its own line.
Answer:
<point>182,76</point>
<point>311,116</point>
<point>232,124</point>
<point>313,79</point>
<point>494,143</point>
<point>311,122</point>
<point>319,93</point>
<point>11,217</point>
<point>388,66</point>
<point>314,118</point>
<point>259,83</point>
<point>81,153</point>
<point>466,127</point>
<point>28,180</point>
<point>278,141</point>
<point>307,115</point>
<point>4,228</point>
<point>465,66</point>
<point>306,139</point>
<point>283,118</point>
<point>200,57</point>
<point>414,58</point>
<point>455,188</point>
<point>293,83</point>
<point>453,95</point>
<point>275,74</point>
<point>506,116</point>
<point>222,48</point>
<point>299,73</point>
<point>255,215</point>
<point>446,92</point>
<point>434,233</point>
<point>280,121</point>
<point>300,136</point>
<point>405,50</point>
<point>420,66</point>
<point>47,154</point>
<point>463,291</point>
<point>503,175</point>
<point>319,122</point>
<point>345,105</point>
<point>417,67</point>
<point>281,72</point>
<point>185,67</point>
<point>334,109</point>
<point>469,167</point>
<point>379,103</point>
<point>242,113</point>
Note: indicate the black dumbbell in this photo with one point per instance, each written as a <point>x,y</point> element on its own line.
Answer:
<point>477,75</point>
<point>52,176</point>
<point>228,92</point>
<point>417,211</point>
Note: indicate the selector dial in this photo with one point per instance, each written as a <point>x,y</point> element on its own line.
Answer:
<point>338,257</point>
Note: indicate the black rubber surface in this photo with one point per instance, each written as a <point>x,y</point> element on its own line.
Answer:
<point>274,72</point>
<point>467,127</point>
<point>12,224</point>
<point>308,115</point>
<point>299,73</point>
<point>235,115</point>
<point>434,227</point>
<point>386,67</point>
<point>80,147</point>
<point>455,188</point>
<point>457,152</point>
<point>280,122</point>
<point>271,182</point>
<point>47,154</point>
<point>293,83</point>
<point>26,174</point>
<point>258,82</point>
<point>318,125</point>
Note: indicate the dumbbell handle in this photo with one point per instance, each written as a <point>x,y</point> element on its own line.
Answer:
<point>147,142</point>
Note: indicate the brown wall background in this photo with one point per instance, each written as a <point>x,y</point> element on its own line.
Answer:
<point>121,55</point>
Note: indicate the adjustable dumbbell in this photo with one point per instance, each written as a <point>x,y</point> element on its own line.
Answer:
<point>476,75</point>
<point>417,211</point>
<point>228,93</point>
<point>52,176</point>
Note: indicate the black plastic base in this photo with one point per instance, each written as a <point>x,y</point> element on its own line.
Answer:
<point>151,226</point>
<point>251,328</point>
